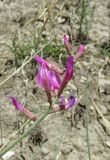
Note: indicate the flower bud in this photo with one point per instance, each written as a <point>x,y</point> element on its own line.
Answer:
<point>67,44</point>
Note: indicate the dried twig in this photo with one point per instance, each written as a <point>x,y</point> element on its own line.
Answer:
<point>106,122</point>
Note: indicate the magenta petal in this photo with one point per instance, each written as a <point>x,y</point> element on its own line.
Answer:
<point>69,69</point>
<point>81,49</point>
<point>62,102</point>
<point>67,44</point>
<point>16,103</point>
<point>44,78</point>
<point>55,79</point>
<point>48,79</point>
<point>40,60</point>
<point>68,75</point>
<point>66,38</point>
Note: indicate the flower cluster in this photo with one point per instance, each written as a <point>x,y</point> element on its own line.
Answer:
<point>54,80</point>
<point>50,77</point>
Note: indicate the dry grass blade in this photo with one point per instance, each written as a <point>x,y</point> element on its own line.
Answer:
<point>13,135</point>
<point>3,82</point>
<point>100,74</point>
<point>35,18</point>
<point>43,13</point>
<point>61,8</point>
<point>106,122</point>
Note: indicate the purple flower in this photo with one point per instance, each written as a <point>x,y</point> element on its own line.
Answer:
<point>44,78</point>
<point>65,104</point>
<point>48,79</point>
<point>40,60</point>
<point>21,108</point>
<point>67,44</point>
<point>69,69</point>
<point>66,39</point>
<point>81,49</point>
<point>80,52</point>
<point>72,101</point>
<point>56,80</point>
<point>16,103</point>
<point>68,75</point>
<point>62,101</point>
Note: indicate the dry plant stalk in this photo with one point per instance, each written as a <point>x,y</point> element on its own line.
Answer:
<point>106,122</point>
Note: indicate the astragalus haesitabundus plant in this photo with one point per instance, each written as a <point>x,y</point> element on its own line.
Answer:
<point>53,80</point>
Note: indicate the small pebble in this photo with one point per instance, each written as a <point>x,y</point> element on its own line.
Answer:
<point>8,155</point>
<point>92,108</point>
<point>108,144</point>
<point>66,149</point>
<point>83,79</point>
<point>45,151</point>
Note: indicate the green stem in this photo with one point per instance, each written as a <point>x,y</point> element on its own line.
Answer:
<point>87,120</point>
<point>1,135</point>
<point>87,133</point>
<point>26,133</point>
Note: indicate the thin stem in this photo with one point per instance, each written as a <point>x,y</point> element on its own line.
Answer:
<point>87,132</point>
<point>87,126</point>
<point>1,135</point>
<point>15,134</point>
<point>26,133</point>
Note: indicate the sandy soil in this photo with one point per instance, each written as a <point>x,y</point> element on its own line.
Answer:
<point>63,135</point>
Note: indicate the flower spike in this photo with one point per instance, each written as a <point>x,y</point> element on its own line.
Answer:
<point>68,75</point>
<point>48,78</point>
<point>21,108</point>
<point>16,103</point>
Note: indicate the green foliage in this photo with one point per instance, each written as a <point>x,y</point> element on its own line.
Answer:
<point>85,17</point>
<point>54,50</point>
<point>105,52</point>
<point>83,23</point>
<point>105,49</point>
<point>22,49</point>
